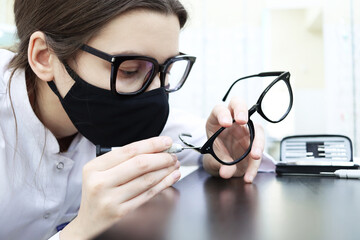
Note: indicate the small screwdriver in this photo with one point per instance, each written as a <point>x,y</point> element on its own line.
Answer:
<point>175,148</point>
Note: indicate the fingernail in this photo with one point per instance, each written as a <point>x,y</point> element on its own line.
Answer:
<point>174,157</point>
<point>226,120</point>
<point>257,152</point>
<point>242,116</point>
<point>167,141</point>
<point>177,164</point>
<point>248,178</point>
<point>176,175</point>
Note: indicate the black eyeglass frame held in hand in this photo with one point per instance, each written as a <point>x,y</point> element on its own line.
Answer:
<point>207,148</point>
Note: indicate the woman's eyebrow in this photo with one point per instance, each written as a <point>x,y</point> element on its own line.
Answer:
<point>136,53</point>
<point>128,52</point>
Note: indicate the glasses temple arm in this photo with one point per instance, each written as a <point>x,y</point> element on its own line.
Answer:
<point>270,74</point>
<point>97,53</point>
<point>263,74</point>
<point>181,135</point>
<point>227,93</point>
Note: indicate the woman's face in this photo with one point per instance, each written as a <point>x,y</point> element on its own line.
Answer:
<point>139,32</point>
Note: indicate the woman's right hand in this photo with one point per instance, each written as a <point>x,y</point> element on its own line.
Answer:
<point>119,182</point>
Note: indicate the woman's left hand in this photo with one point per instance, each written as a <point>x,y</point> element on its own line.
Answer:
<point>222,116</point>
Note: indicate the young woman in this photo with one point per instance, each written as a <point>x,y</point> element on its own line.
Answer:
<point>92,73</point>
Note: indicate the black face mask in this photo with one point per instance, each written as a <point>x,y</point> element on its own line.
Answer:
<point>112,120</point>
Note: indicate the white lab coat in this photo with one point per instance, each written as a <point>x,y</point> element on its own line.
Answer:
<point>40,188</point>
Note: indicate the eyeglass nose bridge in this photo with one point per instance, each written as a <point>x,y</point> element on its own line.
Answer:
<point>158,70</point>
<point>162,71</point>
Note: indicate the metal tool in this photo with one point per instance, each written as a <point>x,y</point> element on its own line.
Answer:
<point>343,173</point>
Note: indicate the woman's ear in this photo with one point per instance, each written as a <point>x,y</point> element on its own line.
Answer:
<point>40,57</point>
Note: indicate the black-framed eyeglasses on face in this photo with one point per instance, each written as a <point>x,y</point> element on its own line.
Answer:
<point>131,74</point>
<point>274,104</point>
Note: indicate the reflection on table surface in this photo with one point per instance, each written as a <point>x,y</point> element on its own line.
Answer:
<point>205,207</point>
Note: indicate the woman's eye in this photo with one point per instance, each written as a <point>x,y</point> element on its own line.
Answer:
<point>127,73</point>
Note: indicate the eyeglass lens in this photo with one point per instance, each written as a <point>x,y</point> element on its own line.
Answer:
<point>133,75</point>
<point>220,150</point>
<point>276,102</point>
<point>176,74</point>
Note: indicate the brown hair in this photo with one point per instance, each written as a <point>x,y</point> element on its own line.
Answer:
<point>68,24</point>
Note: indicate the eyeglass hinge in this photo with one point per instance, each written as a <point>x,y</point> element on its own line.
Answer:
<point>253,109</point>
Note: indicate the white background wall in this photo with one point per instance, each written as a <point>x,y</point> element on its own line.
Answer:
<point>7,28</point>
<point>317,41</point>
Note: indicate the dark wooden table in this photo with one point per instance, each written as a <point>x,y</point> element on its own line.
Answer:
<point>272,208</point>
